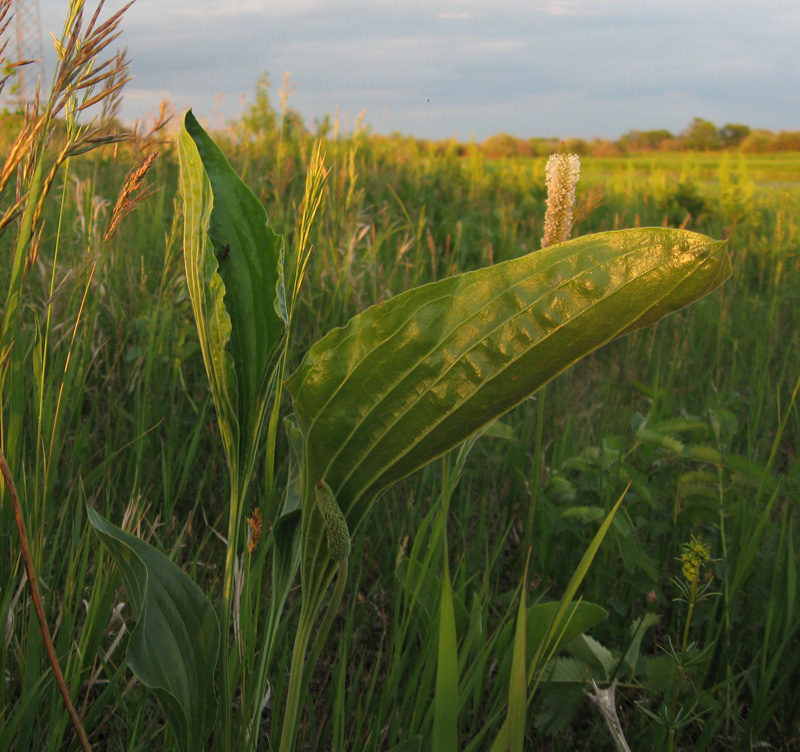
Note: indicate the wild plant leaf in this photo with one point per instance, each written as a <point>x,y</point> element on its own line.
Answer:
<point>579,618</point>
<point>594,654</point>
<point>558,706</point>
<point>407,380</point>
<point>445,699</point>
<point>173,647</point>
<point>422,586</point>
<point>286,532</point>
<point>293,494</point>
<point>566,670</point>
<point>234,271</point>
<point>638,629</point>
<point>518,684</point>
<point>414,744</point>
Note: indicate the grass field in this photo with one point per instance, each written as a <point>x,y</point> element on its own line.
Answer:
<point>105,402</point>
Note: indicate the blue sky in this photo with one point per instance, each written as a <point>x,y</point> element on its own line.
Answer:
<point>471,68</point>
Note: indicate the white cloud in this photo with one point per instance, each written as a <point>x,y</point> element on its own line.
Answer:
<point>566,67</point>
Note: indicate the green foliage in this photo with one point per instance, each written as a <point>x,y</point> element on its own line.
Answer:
<point>234,268</point>
<point>174,647</point>
<point>506,146</point>
<point>732,134</point>
<point>637,140</point>
<point>701,135</point>
<point>447,358</point>
<point>260,120</point>
<point>712,385</point>
<point>684,203</point>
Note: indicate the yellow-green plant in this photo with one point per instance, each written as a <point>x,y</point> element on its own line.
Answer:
<point>693,589</point>
<point>400,384</point>
<point>50,132</point>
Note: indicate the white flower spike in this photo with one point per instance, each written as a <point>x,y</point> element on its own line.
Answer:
<point>562,173</point>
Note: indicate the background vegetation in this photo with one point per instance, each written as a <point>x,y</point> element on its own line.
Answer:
<point>696,412</point>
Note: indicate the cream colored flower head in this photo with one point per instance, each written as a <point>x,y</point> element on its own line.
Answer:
<point>561,176</point>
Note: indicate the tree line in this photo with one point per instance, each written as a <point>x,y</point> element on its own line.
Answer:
<point>699,135</point>
<point>262,122</point>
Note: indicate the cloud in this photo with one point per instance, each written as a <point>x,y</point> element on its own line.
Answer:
<point>573,67</point>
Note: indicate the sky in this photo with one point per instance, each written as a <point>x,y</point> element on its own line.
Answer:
<point>468,68</point>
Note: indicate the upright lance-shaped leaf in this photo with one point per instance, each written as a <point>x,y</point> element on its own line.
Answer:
<point>407,380</point>
<point>173,647</point>
<point>234,271</point>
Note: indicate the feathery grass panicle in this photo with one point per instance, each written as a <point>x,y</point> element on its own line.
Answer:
<point>129,196</point>
<point>6,68</point>
<point>562,173</point>
<point>255,531</point>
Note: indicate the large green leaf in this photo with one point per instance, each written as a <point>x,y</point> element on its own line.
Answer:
<point>234,271</point>
<point>173,647</point>
<point>407,380</point>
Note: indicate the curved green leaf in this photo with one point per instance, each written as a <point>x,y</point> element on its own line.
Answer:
<point>173,647</point>
<point>407,380</point>
<point>234,271</point>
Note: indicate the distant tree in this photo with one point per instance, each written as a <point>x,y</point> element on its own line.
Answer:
<point>579,146</point>
<point>732,134</point>
<point>701,135</point>
<point>644,140</point>
<point>506,146</point>
<point>543,147</point>
<point>602,147</point>
<point>758,140</point>
<point>672,144</point>
<point>655,139</point>
<point>260,120</point>
<point>786,141</point>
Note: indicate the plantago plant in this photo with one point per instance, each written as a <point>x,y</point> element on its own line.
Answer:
<point>402,383</point>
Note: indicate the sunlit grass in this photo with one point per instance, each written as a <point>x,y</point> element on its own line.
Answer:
<point>139,437</point>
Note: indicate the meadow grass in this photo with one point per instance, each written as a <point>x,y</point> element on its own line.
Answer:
<point>696,413</point>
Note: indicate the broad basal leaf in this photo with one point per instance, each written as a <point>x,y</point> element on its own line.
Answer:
<point>173,647</point>
<point>234,271</point>
<point>407,380</point>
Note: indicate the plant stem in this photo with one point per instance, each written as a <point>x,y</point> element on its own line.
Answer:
<point>681,669</point>
<point>38,605</point>
<point>536,480</point>
<point>300,673</point>
<point>330,614</point>
<point>227,607</point>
